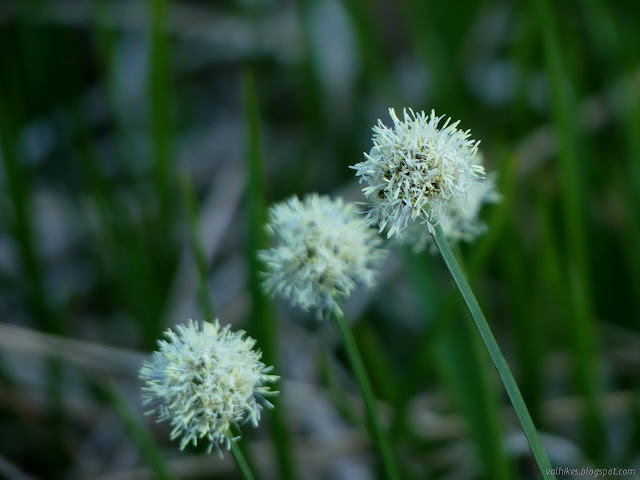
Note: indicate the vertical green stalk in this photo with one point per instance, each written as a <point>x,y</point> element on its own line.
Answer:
<point>160,111</point>
<point>459,360</point>
<point>494,352</point>
<point>189,200</point>
<point>238,457</point>
<point>425,28</point>
<point>619,56</point>
<point>572,166</point>
<point>380,438</point>
<point>453,351</point>
<point>141,437</point>
<point>205,301</point>
<point>17,187</point>
<point>262,320</point>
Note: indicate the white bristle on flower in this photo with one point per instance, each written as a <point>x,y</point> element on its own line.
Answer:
<point>462,221</point>
<point>321,251</point>
<point>203,379</point>
<point>416,170</point>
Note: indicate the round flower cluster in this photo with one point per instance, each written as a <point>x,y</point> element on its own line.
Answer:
<point>416,170</point>
<point>204,378</point>
<point>322,249</point>
<point>462,220</point>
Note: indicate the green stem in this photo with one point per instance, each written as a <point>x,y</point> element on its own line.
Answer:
<point>379,437</point>
<point>189,199</point>
<point>142,438</point>
<point>496,355</point>
<point>241,462</point>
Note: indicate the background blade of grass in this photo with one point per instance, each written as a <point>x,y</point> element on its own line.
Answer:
<point>379,436</point>
<point>464,369</point>
<point>496,355</point>
<point>161,125</point>
<point>104,102</point>
<point>189,200</point>
<point>262,322</point>
<point>17,185</point>
<point>573,166</point>
<point>452,348</point>
<point>619,56</point>
<point>143,440</point>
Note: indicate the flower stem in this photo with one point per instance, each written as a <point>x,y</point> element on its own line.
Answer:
<point>147,446</point>
<point>238,457</point>
<point>379,437</point>
<point>496,355</point>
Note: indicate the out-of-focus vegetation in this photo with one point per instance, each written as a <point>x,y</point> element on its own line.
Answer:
<point>140,142</point>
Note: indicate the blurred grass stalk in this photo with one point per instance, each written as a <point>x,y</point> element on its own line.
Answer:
<point>424,26</point>
<point>451,347</point>
<point>17,181</point>
<point>526,323</point>
<point>458,358</point>
<point>139,434</point>
<point>159,91</point>
<point>262,322</point>
<point>199,255</point>
<point>466,371</point>
<point>206,305</point>
<point>380,438</point>
<point>494,352</point>
<point>581,328</point>
<point>621,59</point>
<point>122,245</point>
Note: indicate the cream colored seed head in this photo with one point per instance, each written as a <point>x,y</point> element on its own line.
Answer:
<point>321,251</point>
<point>462,221</point>
<point>203,379</point>
<point>416,170</point>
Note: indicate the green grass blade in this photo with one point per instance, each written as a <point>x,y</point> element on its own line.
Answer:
<point>376,356</point>
<point>461,363</point>
<point>620,58</point>
<point>159,90</point>
<point>572,165</point>
<point>448,344</point>
<point>189,200</point>
<point>17,183</point>
<point>380,438</point>
<point>336,393</point>
<point>119,242</point>
<point>139,434</point>
<point>262,319</point>
<point>494,352</point>
<point>527,328</point>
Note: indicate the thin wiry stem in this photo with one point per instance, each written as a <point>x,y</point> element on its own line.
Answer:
<point>238,457</point>
<point>140,435</point>
<point>380,437</point>
<point>496,355</point>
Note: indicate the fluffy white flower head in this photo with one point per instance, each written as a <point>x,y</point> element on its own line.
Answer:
<point>462,221</point>
<point>204,378</point>
<point>321,251</point>
<point>416,170</point>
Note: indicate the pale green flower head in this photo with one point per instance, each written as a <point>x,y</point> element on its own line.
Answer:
<point>203,379</point>
<point>321,251</point>
<point>416,170</point>
<point>461,222</point>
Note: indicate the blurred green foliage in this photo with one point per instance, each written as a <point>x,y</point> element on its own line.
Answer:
<point>134,143</point>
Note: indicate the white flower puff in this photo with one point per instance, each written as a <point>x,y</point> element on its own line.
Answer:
<point>416,170</point>
<point>462,221</point>
<point>322,249</point>
<point>204,378</point>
